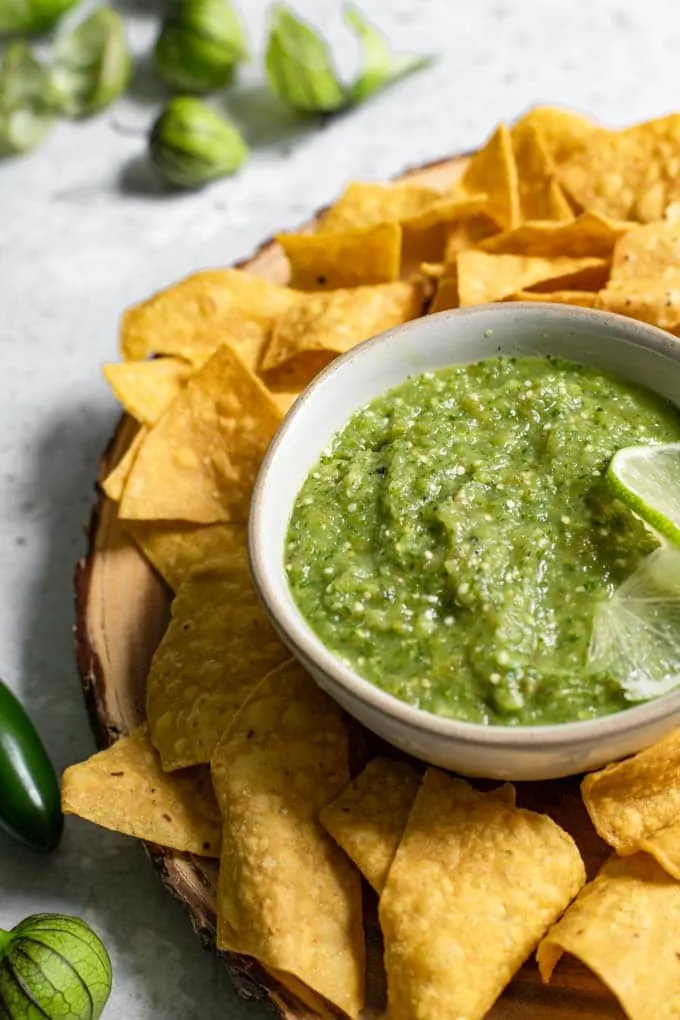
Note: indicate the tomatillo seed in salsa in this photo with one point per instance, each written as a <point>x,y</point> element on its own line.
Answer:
<point>454,540</point>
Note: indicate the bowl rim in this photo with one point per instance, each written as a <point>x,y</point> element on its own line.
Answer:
<point>294,630</point>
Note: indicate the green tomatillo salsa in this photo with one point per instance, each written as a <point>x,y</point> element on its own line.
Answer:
<point>453,542</point>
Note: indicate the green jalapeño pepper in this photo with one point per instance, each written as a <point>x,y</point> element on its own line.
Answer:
<point>30,801</point>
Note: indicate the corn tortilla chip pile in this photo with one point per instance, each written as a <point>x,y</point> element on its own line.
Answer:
<point>473,886</point>
<point>551,208</point>
<point>562,192</point>
<point>369,817</point>
<point>284,755</point>
<point>241,757</point>
<point>468,883</point>
<point>229,353</point>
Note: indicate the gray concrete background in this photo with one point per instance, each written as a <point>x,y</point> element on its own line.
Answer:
<point>85,231</point>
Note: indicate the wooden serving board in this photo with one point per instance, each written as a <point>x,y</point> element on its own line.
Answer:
<point>122,609</point>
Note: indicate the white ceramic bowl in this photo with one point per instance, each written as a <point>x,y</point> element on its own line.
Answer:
<point>626,348</point>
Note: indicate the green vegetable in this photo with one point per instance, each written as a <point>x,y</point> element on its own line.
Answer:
<point>299,67</point>
<point>199,46</point>
<point>25,100</point>
<point>92,64</point>
<point>300,70</point>
<point>647,479</point>
<point>190,144</point>
<point>636,634</point>
<point>54,967</point>
<point>27,17</point>
<point>30,801</point>
<point>380,67</point>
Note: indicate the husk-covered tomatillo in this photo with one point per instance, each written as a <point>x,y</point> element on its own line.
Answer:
<point>92,64</point>
<point>191,144</point>
<point>28,17</point>
<point>199,45</point>
<point>53,966</point>
<point>26,100</point>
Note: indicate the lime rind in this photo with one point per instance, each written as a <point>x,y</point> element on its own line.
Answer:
<point>647,479</point>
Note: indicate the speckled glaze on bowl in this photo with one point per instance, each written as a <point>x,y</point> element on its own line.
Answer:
<point>624,347</point>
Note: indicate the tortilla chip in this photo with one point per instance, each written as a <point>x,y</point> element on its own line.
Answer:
<point>369,817</point>
<point>633,802</point>
<point>301,993</point>
<point>178,550</point>
<point>432,270</point>
<point>199,463</point>
<point>650,252</point>
<point>540,195</point>
<point>624,926</point>
<point>446,295</point>
<point>366,204</point>
<point>468,234</point>
<point>248,338</point>
<point>425,235</point>
<point>192,317</point>
<point>146,388</point>
<point>587,235</point>
<point>337,321</point>
<point>125,789</point>
<point>293,376</point>
<point>581,298</point>
<point>563,132</point>
<point>493,171</point>
<point>287,894</point>
<point>115,482</point>
<point>483,277</point>
<point>218,646</point>
<point>348,259</point>
<point>592,277</point>
<point>284,401</point>
<point>657,303</point>
<point>474,885</point>
<point>664,846</point>
<point>645,275</point>
<point>505,793</point>
<point>629,175</point>
<point>456,207</point>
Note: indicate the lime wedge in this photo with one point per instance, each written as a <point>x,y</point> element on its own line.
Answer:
<point>636,633</point>
<point>647,479</point>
